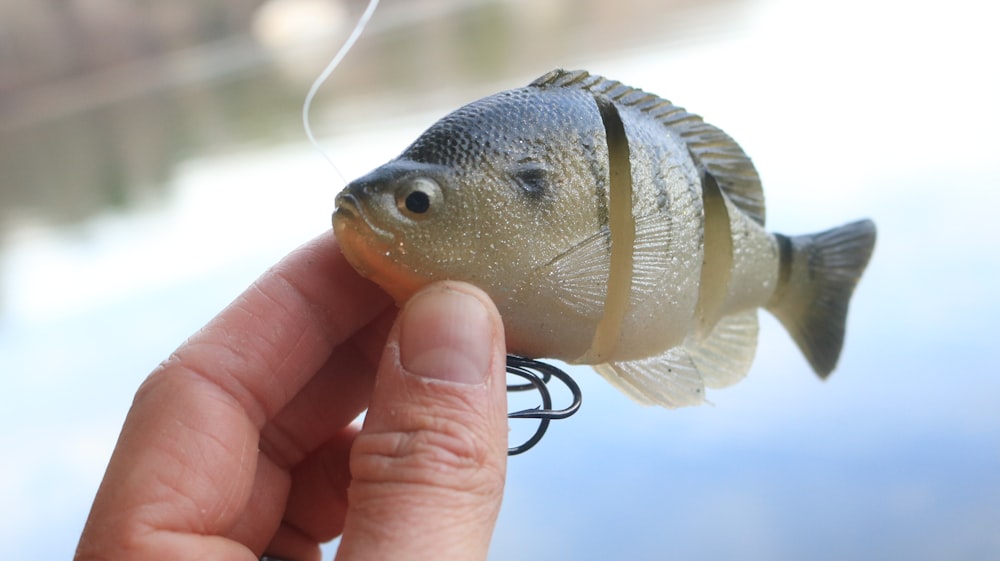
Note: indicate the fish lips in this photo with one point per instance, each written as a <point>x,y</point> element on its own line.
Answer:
<point>359,237</point>
<point>363,244</point>
<point>351,213</point>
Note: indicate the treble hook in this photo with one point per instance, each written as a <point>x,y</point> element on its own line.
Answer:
<point>527,368</point>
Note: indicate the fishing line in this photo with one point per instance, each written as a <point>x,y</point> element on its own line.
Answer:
<point>537,374</point>
<point>325,74</point>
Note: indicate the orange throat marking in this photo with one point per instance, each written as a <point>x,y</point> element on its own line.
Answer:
<point>374,261</point>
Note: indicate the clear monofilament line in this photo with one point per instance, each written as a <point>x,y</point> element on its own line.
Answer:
<point>322,78</point>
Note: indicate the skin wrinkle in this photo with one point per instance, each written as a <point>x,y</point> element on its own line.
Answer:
<point>281,445</point>
<point>463,506</point>
<point>265,501</point>
<point>265,400</point>
<point>215,392</point>
<point>167,503</point>
<point>194,548</point>
<point>444,443</point>
<point>281,439</point>
<point>462,510</point>
<point>249,403</point>
<point>317,501</point>
<point>288,282</point>
<point>230,509</point>
<point>444,448</point>
<point>445,397</point>
<point>230,499</point>
<point>154,386</point>
<point>257,403</point>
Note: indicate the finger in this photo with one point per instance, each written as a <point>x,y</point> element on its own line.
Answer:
<point>334,397</point>
<point>311,437</point>
<point>183,468</point>
<point>317,501</point>
<point>268,343</point>
<point>428,467</point>
<point>186,461</point>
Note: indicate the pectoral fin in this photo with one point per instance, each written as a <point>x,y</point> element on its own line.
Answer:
<point>678,377</point>
<point>580,275</point>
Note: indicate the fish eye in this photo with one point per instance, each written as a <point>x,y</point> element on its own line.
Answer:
<point>418,202</point>
<point>418,197</point>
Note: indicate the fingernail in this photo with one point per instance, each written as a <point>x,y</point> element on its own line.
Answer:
<point>446,335</point>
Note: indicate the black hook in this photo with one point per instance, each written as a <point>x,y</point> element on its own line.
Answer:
<point>529,370</point>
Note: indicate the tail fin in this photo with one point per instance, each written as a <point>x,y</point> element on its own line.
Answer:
<point>818,275</point>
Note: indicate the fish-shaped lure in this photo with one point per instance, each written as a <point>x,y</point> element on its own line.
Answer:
<point>611,228</point>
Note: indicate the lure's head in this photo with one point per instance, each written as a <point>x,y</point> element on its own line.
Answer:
<point>487,195</point>
<point>391,222</point>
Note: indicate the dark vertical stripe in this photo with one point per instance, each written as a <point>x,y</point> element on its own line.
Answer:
<point>621,224</point>
<point>601,190</point>
<point>786,254</point>
<point>784,261</point>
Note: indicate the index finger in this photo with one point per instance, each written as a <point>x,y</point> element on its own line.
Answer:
<point>266,345</point>
<point>187,463</point>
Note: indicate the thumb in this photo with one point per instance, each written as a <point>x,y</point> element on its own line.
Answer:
<point>428,467</point>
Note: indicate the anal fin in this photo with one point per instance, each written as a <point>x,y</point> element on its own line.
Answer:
<point>725,356</point>
<point>671,379</point>
<point>678,377</point>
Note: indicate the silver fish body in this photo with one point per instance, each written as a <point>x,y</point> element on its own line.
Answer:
<point>611,228</point>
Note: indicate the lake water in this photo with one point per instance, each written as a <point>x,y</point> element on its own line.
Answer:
<point>129,224</point>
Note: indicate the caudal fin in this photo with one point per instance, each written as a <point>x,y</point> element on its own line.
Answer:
<point>818,276</point>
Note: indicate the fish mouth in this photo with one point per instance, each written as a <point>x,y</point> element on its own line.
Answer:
<point>372,250</point>
<point>347,206</point>
<point>350,213</point>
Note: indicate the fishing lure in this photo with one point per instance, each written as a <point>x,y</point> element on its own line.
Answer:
<point>611,228</point>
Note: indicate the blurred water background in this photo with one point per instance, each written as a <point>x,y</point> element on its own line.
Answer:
<point>152,164</point>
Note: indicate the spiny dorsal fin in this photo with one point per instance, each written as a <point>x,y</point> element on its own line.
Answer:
<point>714,149</point>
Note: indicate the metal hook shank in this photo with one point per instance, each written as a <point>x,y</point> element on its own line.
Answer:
<point>526,368</point>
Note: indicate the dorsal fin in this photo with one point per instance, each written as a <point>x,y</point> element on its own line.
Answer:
<point>711,147</point>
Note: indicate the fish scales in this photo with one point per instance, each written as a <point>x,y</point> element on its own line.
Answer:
<point>611,228</point>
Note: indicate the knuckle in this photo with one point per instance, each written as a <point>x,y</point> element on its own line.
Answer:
<point>446,456</point>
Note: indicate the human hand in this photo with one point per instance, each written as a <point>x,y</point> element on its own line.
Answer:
<point>241,442</point>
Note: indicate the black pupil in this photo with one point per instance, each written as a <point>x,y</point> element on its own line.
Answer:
<point>418,202</point>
